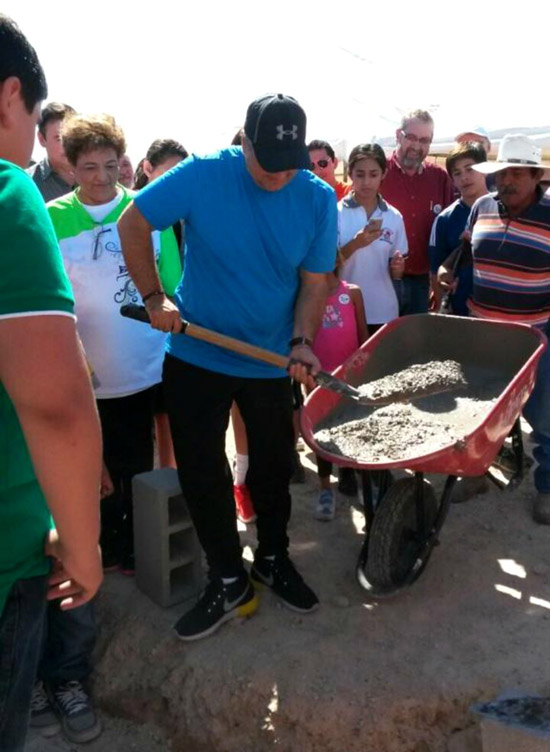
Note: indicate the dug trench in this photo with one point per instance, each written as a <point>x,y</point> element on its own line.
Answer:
<point>357,675</point>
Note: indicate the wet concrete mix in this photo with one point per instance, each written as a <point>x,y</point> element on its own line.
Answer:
<point>415,381</point>
<point>403,430</point>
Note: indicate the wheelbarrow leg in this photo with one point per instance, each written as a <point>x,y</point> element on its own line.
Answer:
<point>368,498</point>
<point>368,510</point>
<point>429,537</point>
<point>519,454</point>
<point>420,509</point>
<point>511,461</point>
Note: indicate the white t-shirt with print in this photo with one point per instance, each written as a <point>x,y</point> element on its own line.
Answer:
<point>368,267</point>
<point>126,355</point>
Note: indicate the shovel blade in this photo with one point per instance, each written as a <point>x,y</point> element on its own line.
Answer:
<point>328,381</point>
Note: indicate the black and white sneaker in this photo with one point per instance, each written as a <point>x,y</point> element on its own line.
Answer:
<point>79,720</point>
<point>280,574</point>
<point>219,603</point>
<point>43,717</point>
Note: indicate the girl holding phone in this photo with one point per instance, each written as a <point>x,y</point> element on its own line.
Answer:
<point>372,242</point>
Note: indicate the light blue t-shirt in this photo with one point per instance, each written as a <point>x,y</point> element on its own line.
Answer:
<point>244,249</point>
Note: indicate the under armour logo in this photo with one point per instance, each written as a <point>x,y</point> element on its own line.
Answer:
<point>281,133</point>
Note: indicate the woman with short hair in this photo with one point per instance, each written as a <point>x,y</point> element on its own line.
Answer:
<point>125,355</point>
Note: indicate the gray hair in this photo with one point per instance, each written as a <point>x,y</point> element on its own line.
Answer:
<point>422,115</point>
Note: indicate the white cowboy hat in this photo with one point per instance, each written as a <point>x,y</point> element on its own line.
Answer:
<point>515,150</point>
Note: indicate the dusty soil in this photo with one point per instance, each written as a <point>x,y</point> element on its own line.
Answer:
<point>118,735</point>
<point>357,675</point>
<point>415,381</point>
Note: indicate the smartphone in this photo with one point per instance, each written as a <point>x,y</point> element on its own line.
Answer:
<point>375,224</point>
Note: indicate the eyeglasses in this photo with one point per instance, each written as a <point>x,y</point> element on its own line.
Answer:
<point>411,138</point>
<point>322,163</point>
<point>97,248</point>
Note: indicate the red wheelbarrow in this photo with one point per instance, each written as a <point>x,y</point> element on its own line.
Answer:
<point>403,518</point>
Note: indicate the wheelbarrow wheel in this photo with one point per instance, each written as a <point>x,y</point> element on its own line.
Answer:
<point>394,541</point>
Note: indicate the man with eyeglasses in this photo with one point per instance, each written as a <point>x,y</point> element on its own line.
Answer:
<point>324,163</point>
<point>420,190</point>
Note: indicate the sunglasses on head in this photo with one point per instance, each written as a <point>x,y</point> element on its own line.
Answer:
<point>322,163</point>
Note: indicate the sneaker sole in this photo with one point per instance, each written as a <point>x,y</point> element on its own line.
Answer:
<point>242,612</point>
<point>48,729</point>
<point>81,737</point>
<point>323,517</point>
<point>246,520</point>
<point>259,586</point>
<point>112,568</point>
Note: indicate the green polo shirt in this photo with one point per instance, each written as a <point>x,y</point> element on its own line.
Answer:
<point>32,282</point>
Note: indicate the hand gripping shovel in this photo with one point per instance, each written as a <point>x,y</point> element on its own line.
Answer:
<point>323,379</point>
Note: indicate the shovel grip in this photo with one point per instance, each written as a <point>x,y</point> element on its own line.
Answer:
<point>139,313</point>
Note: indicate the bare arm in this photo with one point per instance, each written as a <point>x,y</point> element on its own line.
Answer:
<point>308,314</point>
<point>135,236</point>
<point>364,237</point>
<point>360,318</point>
<point>44,372</point>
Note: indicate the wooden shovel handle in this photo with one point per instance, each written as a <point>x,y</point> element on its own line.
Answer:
<point>139,313</point>
<point>236,345</point>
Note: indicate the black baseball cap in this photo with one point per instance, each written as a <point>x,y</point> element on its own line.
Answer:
<point>276,126</point>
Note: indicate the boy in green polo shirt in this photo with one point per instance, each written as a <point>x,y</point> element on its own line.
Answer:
<point>47,410</point>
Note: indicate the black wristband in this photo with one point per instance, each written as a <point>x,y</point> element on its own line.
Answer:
<point>300,341</point>
<point>152,295</point>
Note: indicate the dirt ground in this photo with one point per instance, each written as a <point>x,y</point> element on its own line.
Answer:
<point>356,676</point>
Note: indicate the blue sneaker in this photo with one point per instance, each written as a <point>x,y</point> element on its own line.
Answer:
<point>43,717</point>
<point>325,508</point>
<point>79,720</point>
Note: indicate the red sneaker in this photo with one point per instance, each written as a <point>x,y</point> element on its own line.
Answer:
<point>243,502</point>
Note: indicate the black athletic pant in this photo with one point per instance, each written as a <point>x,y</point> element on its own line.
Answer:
<point>198,404</point>
<point>127,428</point>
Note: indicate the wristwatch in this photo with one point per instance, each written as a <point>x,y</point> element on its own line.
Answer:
<point>300,341</point>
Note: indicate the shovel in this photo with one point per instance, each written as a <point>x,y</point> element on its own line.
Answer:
<point>323,379</point>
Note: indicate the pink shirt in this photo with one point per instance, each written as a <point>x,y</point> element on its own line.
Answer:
<point>337,337</point>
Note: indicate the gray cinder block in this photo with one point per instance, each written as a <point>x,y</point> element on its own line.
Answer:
<point>515,722</point>
<point>167,551</point>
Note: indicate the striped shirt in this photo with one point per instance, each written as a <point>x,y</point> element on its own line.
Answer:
<point>511,261</point>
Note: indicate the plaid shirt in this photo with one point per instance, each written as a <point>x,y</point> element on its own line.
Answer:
<point>48,182</point>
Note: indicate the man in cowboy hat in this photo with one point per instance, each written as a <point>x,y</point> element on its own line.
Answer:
<point>510,233</point>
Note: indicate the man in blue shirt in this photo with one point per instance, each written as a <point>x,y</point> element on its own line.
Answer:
<point>260,238</point>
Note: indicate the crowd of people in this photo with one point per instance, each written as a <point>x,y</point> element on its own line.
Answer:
<point>260,241</point>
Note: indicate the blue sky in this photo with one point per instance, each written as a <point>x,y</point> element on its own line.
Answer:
<point>188,71</point>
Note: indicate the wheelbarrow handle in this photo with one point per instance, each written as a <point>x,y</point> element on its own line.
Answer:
<point>139,313</point>
<point>445,304</point>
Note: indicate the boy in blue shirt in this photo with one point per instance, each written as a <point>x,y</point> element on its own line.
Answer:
<point>450,224</point>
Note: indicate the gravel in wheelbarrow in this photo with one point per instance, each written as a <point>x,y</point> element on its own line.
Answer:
<point>458,432</point>
<point>402,430</point>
